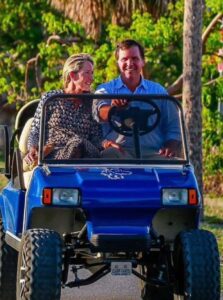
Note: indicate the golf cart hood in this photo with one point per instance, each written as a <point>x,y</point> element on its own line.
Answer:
<point>115,187</point>
<point>117,201</point>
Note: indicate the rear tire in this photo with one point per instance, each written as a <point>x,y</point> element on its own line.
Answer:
<point>197,266</point>
<point>8,267</point>
<point>39,266</point>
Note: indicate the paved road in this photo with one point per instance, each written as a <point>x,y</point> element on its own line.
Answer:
<point>108,288</point>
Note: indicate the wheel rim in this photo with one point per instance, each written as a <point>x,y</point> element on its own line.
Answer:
<point>23,270</point>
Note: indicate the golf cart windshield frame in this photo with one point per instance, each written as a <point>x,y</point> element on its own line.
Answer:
<point>101,161</point>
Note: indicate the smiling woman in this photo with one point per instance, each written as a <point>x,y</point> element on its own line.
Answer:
<point>72,132</point>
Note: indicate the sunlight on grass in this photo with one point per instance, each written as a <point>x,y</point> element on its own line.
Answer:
<point>3,181</point>
<point>214,207</point>
<point>213,221</point>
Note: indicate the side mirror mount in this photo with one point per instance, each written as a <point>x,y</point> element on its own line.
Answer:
<point>4,151</point>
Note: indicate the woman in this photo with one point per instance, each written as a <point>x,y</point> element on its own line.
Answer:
<point>71,130</point>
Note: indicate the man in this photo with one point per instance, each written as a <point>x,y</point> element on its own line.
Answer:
<point>164,139</point>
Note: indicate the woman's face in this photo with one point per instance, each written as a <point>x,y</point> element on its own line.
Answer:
<point>84,78</point>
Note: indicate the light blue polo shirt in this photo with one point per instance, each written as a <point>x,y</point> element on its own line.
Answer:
<point>168,128</point>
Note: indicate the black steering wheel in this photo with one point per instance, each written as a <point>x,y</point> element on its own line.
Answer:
<point>126,119</point>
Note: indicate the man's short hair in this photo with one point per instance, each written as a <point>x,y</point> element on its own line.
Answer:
<point>126,44</point>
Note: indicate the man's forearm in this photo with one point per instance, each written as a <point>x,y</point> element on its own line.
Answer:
<point>103,112</point>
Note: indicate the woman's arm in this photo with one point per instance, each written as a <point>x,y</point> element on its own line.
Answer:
<point>33,139</point>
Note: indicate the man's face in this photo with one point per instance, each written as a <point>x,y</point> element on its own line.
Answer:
<point>130,63</point>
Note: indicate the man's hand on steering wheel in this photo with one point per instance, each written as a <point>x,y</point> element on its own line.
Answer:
<point>104,110</point>
<point>119,102</point>
<point>119,117</point>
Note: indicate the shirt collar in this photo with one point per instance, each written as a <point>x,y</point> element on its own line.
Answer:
<point>120,83</point>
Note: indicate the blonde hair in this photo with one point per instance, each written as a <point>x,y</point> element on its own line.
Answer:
<point>74,64</point>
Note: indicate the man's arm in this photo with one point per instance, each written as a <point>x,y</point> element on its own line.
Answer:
<point>101,108</point>
<point>104,110</point>
<point>171,130</point>
<point>103,113</point>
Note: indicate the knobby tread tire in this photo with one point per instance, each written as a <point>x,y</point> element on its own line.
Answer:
<point>198,265</point>
<point>41,259</point>
<point>149,292</point>
<point>8,267</point>
<point>156,293</point>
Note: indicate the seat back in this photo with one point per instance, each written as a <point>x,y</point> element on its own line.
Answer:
<point>23,123</point>
<point>24,114</point>
<point>23,139</point>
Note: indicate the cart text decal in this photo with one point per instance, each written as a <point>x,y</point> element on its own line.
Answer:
<point>115,173</point>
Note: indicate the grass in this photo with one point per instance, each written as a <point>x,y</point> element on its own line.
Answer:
<point>2,164</point>
<point>3,180</point>
<point>213,220</point>
<point>1,161</point>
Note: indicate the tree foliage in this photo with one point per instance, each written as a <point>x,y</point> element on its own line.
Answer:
<point>93,14</point>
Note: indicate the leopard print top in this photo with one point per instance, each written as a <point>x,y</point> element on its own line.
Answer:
<point>68,128</point>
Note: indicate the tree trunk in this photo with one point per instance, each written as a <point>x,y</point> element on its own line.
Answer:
<point>192,68</point>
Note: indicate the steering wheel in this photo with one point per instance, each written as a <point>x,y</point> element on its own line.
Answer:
<point>125,119</point>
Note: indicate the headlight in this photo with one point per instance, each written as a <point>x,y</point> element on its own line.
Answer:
<point>59,196</point>
<point>180,197</point>
<point>175,196</point>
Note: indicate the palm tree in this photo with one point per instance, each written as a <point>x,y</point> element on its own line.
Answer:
<point>91,13</point>
<point>192,69</point>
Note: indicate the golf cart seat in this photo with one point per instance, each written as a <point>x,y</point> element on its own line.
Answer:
<point>24,114</point>
<point>22,127</point>
<point>23,139</point>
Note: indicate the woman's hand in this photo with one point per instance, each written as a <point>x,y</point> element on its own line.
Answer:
<point>47,149</point>
<point>107,144</point>
<point>32,156</point>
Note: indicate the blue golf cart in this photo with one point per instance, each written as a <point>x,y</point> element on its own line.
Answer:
<point>133,215</point>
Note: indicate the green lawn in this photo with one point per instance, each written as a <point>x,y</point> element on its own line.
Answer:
<point>213,221</point>
<point>3,180</point>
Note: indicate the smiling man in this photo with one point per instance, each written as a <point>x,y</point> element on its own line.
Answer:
<point>131,60</point>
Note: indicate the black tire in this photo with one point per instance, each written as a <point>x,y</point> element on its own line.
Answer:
<point>39,266</point>
<point>8,267</point>
<point>156,293</point>
<point>152,292</point>
<point>197,266</point>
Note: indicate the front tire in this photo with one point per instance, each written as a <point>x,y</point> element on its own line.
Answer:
<point>8,267</point>
<point>151,270</point>
<point>39,266</point>
<point>197,265</point>
<point>156,293</point>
